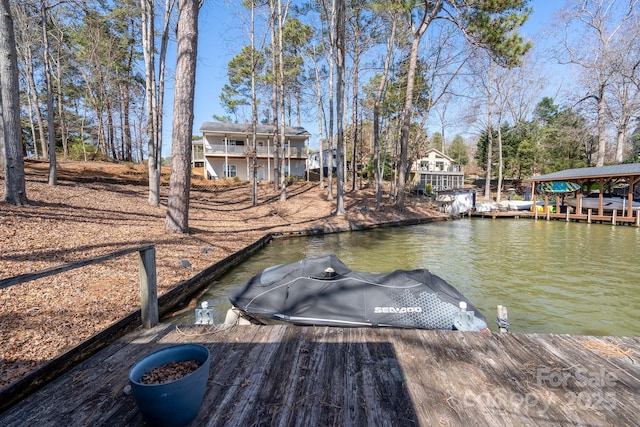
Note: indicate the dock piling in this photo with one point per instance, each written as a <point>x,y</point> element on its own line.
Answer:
<point>503,319</point>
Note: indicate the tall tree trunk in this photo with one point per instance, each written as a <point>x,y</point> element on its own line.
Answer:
<point>24,22</point>
<point>148,46</point>
<point>376,113</point>
<point>281,19</point>
<point>62,122</point>
<point>32,128</point>
<point>417,33</point>
<point>126,106</point>
<point>158,110</point>
<point>298,96</point>
<point>110,130</point>
<point>330,133</point>
<point>340,71</point>
<point>602,131</point>
<point>406,122</point>
<point>487,185</point>
<point>12,158</point>
<point>500,161</point>
<point>354,125</point>
<point>33,94</point>
<point>254,113</point>
<point>274,93</point>
<point>51,131</point>
<point>620,140</point>
<point>321,118</point>
<point>127,152</point>
<point>177,219</point>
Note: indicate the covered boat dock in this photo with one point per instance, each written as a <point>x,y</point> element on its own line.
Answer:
<point>625,176</point>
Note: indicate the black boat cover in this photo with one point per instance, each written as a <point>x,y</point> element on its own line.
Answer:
<point>324,291</point>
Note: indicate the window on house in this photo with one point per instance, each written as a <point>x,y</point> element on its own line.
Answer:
<point>230,171</point>
<point>233,142</point>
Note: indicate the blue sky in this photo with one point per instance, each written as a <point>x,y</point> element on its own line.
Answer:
<point>221,38</point>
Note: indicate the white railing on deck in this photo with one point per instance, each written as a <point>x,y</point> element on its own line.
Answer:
<point>236,150</point>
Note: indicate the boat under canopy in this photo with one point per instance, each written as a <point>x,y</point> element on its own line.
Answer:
<point>608,203</point>
<point>559,187</point>
<point>324,291</point>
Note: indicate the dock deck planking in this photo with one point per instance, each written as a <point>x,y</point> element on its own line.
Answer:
<point>300,376</point>
<point>607,219</point>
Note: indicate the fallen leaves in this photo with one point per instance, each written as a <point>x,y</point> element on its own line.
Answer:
<point>74,221</point>
<point>171,371</point>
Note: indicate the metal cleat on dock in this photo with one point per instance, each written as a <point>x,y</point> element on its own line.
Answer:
<point>204,315</point>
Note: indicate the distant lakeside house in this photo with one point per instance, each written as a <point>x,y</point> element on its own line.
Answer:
<point>438,170</point>
<point>313,162</point>
<point>225,151</point>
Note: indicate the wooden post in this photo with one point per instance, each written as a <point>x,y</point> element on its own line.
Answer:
<point>579,202</point>
<point>638,219</point>
<point>589,216</point>
<point>148,287</point>
<point>600,196</point>
<point>613,217</point>
<point>503,319</point>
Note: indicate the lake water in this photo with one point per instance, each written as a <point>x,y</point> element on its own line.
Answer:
<point>553,276</point>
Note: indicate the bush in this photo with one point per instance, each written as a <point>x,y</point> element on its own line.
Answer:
<point>76,152</point>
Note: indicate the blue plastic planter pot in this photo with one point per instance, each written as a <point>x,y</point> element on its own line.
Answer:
<point>174,403</point>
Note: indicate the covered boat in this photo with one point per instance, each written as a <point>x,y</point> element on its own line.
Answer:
<point>608,203</point>
<point>324,291</point>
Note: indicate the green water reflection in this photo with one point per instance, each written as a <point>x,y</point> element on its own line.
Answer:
<point>554,276</point>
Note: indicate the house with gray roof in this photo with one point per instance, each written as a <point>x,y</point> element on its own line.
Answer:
<point>436,170</point>
<point>225,151</point>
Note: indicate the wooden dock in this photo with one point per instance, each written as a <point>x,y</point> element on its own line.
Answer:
<point>320,376</point>
<point>588,217</point>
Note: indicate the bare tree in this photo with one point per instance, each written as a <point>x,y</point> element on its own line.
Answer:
<point>275,105</point>
<point>491,26</point>
<point>361,36</point>
<point>313,54</point>
<point>600,25</point>
<point>154,89</point>
<point>29,44</point>
<point>282,12</point>
<point>417,28</point>
<point>177,219</point>
<point>340,80</point>
<point>622,97</point>
<point>329,13</point>
<point>147,8</point>
<point>12,153</point>
<point>393,17</point>
<point>48,74</point>
<point>254,110</point>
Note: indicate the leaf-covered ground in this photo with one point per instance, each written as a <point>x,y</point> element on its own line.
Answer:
<point>98,208</point>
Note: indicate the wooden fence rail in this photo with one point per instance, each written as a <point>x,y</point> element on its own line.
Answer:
<point>148,282</point>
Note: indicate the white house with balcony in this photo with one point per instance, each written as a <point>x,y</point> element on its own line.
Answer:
<point>437,169</point>
<point>225,150</point>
